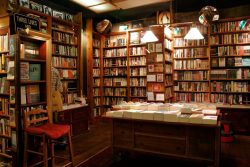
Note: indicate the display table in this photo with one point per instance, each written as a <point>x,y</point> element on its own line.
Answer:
<point>199,142</point>
<point>77,116</point>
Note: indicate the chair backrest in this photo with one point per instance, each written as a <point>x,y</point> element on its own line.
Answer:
<point>35,117</point>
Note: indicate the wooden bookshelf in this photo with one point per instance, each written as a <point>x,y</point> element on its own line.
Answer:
<point>191,66</point>
<point>229,52</point>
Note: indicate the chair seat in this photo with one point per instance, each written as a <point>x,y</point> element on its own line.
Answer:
<point>52,131</point>
<point>55,131</point>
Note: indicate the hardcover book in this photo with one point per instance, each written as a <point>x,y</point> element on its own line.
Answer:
<point>33,93</point>
<point>35,72</point>
<point>24,67</point>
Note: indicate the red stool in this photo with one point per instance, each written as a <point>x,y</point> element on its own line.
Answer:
<point>36,125</point>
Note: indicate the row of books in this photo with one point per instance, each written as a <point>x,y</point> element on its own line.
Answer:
<point>4,42</point>
<point>4,85</point>
<point>30,71</point>
<point>96,92</point>
<point>64,37</point>
<point>230,62</point>
<point>168,44</point>
<point>3,62</point>
<point>191,75</point>
<point>115,72</point>
<point>117,40</point>
<point>137,50</point>
<point>229,26</point>
<point>115,92</point>
<point>63,62</point>
<point>192,86</point>
<point>115,82</point>
<point>191,64</point>
<point>192,97</point>
<point>96,63</point>
<point>229,98</point>
<point>96,52</point>
<point>155,67</point>
<point>69,98</point>
<point>96,81</point>
<point>154,58</point>
<point>4,106</point>
<point>109,101</point>
<point>230,39</point>
<point>180,42</point>
<point>96,72</point>
<point>190,53</point>
<point>120,52</point>
<point>168,56</point>
<point>154,47</point>
<point>29,50</point>
<point>135,61</point>
<point>230,50</point>
<point>230,86</point>
<point>241,73</point>
<point>64,50</point>
<point>138,71</point>
<point>97,101</point>
<point>96,43</point>
<point>115,62</point>
<point>140,92</point>
<point>168,68</point>
<point>138,82</point>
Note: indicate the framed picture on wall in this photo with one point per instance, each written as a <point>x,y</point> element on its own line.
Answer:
<point>58,14</point>
<point>24,3</point>
<point>47,10</point>
<point>36,6</point>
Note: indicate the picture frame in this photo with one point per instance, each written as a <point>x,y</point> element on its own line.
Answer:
<point>58,14</point>
<point>36,6</point>
<point>47,10</point>
<point>68,17</point>
<point>24,3</point>
<point>159,77</point>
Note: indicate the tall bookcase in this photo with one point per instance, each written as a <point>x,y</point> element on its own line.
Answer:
<point>137,66</point>
<point>230,61</point>
<point>115,69</point>
<point>29,76</point>
<point>7,121</point>
<point>191,66</point>
<point>66,57</point>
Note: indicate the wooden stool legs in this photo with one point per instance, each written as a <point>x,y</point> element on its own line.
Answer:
<point>43,153</point>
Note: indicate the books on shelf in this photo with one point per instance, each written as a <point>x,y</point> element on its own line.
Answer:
<point>24,68</point>
<point>34,72</point>
<point>11,70</point>
<point>33,93</point>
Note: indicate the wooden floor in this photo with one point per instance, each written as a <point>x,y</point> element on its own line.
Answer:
<point>92,149</point>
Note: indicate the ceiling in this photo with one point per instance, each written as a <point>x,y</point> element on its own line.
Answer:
<point>138,9</point>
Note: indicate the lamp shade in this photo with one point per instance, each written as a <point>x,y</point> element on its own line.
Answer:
<point>194,34</point>
<point>149,37</point>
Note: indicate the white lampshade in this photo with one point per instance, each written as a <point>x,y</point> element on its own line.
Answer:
<point>149,37</point>
<point>193,34</point>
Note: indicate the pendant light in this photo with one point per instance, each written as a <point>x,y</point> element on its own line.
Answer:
<point>194,34</point>
<point>149,37</point>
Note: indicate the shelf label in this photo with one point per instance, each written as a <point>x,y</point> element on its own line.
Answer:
<point>23,22</point>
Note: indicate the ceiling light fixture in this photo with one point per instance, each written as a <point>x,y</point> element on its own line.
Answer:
<point>88,3</point>
<point>194,34</point>
<point>149,37</point>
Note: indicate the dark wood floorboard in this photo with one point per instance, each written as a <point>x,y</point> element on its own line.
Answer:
<point>92,149</point>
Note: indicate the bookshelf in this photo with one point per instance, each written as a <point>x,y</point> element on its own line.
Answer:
<point>115,69</point>
<point>30,85</point>
<point>168,58</point>
<point>137,66</point>
<point>66,57</point>
<point>97,74</point>
<point>191,66</point>
<point>230,61</point>
<point>6,114</point>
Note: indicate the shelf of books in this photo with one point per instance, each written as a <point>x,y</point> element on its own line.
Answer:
<point>137,66</point>
<point>230,61</point>
<point>97,74</point>
<point>29,83</point>
<point>168,58</point>
<point>115,69</point>
<point>65,57</point>
<point>191,66</point>
<point>155,68</point>
<point>7,120</point>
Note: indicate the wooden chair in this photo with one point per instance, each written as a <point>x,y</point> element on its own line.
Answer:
<point>37,124</point>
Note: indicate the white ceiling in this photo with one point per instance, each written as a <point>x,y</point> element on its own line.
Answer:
<point>126,4</point>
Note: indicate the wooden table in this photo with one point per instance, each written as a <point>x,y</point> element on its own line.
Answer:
<point>179,140</point>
